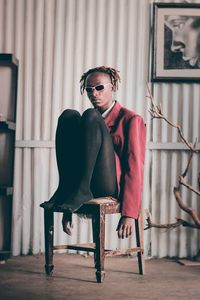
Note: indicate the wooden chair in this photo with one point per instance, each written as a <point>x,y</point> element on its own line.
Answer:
<point>97,209</point>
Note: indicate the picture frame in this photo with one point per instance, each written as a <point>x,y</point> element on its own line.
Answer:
<point>176,42</point>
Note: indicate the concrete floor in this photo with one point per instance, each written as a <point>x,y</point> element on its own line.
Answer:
<point>74,278</point>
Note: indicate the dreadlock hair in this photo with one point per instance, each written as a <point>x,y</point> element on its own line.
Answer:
<point>114,77</point>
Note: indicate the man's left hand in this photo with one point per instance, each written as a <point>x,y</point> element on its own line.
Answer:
<point>124,227</point>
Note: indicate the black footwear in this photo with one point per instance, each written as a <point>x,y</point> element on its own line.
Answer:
<point>48,204</point>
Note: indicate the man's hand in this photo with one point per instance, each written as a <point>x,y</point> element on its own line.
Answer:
<point>124,227</point>
<point>67,223</point>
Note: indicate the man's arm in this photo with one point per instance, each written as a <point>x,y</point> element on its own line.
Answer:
<point>133,168</point>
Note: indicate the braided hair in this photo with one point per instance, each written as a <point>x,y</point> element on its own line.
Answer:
<point>114,77</point>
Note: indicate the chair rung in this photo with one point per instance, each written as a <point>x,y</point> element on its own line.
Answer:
<point>82,247</point>
<point>123,251</point>
<point>91,248</point>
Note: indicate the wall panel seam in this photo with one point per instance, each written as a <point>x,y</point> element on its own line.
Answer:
<point>150,145</point>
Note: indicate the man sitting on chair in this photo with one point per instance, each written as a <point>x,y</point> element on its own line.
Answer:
<point>100,153</point>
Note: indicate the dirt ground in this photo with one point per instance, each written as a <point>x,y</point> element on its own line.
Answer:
<point>74,278</point>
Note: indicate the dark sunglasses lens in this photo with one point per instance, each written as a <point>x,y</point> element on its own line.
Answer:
<point>88,89</point>
<point>99,87</point>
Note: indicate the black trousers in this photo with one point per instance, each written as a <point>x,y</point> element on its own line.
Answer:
<point>85,159</point>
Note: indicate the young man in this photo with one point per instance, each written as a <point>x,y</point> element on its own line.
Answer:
<point>100,153</point>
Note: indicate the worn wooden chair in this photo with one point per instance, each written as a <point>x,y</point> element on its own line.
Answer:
<point>96,209</point>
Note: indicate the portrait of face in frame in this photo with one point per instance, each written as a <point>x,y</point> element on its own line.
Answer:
<point>176,49</point>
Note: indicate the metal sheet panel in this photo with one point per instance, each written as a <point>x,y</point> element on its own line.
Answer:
<point>55,42</point>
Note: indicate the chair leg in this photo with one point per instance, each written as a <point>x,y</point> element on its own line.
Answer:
<point>48,233</point>
<point>100,244</point>
<point>139,241</point>
<point>94,237</point>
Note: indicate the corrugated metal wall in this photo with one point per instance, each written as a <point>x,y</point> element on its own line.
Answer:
<point>55,42</point>
<point>181,104</point>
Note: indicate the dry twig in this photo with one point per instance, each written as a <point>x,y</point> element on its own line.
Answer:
<point>185,207</point>
<point>188,186</point>
<point>179,222</point>
<point>156,113</point>
<point>151,223</point>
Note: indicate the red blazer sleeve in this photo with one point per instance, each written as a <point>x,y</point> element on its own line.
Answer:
<point>133,167</point>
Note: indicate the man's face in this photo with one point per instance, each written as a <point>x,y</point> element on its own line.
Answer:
<point>101,99</point>
<point>185,37</point>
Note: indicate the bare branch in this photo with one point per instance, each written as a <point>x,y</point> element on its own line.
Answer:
<point>184,207</point>
<point>181,181</point>
<point>156,113</point>
<point>191,225</point>
<point>151,224</point>
<point>179,222</point>
<point>189,162</point>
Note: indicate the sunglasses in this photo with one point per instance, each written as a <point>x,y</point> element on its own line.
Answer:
<point>98,88</point>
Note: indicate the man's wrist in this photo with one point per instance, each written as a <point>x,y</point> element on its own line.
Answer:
<point>128,217</point>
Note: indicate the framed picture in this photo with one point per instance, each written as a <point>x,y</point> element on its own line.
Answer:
<point>176,42</point>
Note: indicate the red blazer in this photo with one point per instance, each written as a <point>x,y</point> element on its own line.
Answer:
<point>129,138</point>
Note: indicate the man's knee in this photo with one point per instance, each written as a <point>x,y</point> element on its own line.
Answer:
<point>68,114</point>
<point>91,115</point>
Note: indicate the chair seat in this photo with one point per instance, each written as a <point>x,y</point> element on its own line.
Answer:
<point>102,200</point>
<point>109,203</point>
